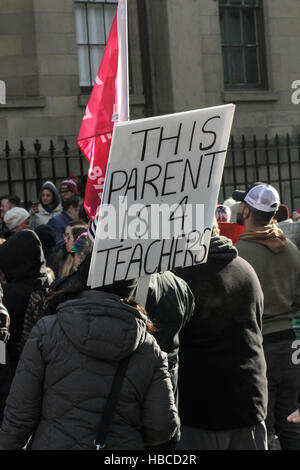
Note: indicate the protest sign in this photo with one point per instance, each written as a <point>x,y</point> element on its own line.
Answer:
<point>160,194</point>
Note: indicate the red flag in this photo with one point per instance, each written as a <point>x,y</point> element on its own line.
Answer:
<point>108,104</point>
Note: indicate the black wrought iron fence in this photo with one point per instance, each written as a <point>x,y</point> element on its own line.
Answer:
<point>275,161</point>
<point>23,172</point>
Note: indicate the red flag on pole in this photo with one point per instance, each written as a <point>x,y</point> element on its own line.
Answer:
<point>108,104</point>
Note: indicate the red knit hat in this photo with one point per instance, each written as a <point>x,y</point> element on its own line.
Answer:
<point>282,213</point>
<point>69,184</point>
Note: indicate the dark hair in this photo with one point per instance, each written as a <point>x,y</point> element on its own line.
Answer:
<point>83,214</point>
<point>53,299</point>
<point>73,201</point>
<point>77,227</point>
<point>260,218</point>
<point>78,230</point>
<point>132,302</point>
<point>12,198</point>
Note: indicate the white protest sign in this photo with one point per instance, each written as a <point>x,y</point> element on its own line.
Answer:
<point>160,194</point>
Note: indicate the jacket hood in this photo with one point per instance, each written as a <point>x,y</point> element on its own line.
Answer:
<point>56,200</point>
<point>270,236</point>
<point>222,248</point>
<point>22,258</point>
<point>99,325</point>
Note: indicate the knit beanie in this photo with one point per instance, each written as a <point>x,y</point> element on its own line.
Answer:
<point>69,184</point>
<point>282,213</point>
<point>22,257</point>
<point>52,188</point>
<point>80,243</point>
<point>15,216</point>
<point>223,213</point>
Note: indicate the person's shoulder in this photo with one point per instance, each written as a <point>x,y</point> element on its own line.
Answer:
<point>57,210</point>
<point>151,349</point>
<point>292,250</point>
<point>45,328</point>
<point>249,246</point>
<point>54,220</point>
<point>58,220</point>
<point>245,271</point>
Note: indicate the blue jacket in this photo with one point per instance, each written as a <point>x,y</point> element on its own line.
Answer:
<point>59,223</point>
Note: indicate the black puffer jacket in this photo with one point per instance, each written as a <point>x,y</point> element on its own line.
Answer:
<point>65,373</point>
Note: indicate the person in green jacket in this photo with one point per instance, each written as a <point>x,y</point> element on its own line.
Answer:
<point>276,261</point>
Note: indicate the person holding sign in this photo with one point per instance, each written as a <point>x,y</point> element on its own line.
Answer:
<point>221,348</point>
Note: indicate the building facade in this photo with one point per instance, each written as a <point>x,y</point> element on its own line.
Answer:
<point>184,54</point>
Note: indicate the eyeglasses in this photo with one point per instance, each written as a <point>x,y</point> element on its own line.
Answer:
<point>68,237</point>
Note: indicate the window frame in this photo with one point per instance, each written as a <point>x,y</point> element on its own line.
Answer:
<point>86,89</point>
<point>261,46</point>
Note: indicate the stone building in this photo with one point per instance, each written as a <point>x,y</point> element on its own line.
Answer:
<point>184,54</point>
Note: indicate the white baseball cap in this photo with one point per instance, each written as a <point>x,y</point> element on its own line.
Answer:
<point>260,196</point>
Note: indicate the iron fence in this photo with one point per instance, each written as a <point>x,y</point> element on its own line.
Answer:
<point>275,161</point>
<point>23,172</point>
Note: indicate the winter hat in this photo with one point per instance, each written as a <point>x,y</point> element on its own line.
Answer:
<point>51,187</point>
<point>223,213</point>
<point>260,196</point>
<point>69,184</point>
<point>15,216</point>
<point>282,213</point>
<point>80,243</point>
<point>22,257</point>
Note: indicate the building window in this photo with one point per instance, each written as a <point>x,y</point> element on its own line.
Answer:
<point>93,22</point>
<point>242,35</point>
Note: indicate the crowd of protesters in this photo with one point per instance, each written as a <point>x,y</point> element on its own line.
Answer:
<point>210,362</point>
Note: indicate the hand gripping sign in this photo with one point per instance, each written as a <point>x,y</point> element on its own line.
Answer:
<point>160,194</point>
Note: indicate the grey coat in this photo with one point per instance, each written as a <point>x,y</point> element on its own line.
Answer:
<point>66,371</point>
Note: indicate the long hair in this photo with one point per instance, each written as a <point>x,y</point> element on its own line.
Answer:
<point>77,228</point>
<point>150,327</point>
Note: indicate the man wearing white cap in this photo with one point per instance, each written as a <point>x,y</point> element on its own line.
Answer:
<point>276,261</point>
<point>16,219</point>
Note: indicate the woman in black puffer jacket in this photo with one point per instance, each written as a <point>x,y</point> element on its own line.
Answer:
<point>65,374</point>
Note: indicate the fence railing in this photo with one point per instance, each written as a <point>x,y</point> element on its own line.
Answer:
<point>275,161</point>
<point>23,172</point>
